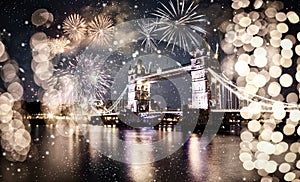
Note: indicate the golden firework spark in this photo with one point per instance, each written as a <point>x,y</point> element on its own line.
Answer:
<point>101,29</point>
<point>74,26</point>
<point>58,46</point>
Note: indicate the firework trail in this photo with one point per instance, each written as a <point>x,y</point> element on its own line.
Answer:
<point>147,31</point>
<point>101,30</point>
<point>179,22</point>
<point>74,26</point>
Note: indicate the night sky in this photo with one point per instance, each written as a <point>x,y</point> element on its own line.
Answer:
<point>16,27</point>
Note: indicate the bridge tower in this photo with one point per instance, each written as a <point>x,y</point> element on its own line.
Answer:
<point>138,91</point>
<point>132,102</point>
<point>200,86</point>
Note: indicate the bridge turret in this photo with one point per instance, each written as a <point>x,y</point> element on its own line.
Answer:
<point>217,53</point>
<point>148,71</point>
<point>129,70</point>
<point>158,70</point>
<point>140,69</point>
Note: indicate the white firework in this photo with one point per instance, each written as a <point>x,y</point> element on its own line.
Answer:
<point>147,31</point>
<point>92,78</point>
<point>180,24</point>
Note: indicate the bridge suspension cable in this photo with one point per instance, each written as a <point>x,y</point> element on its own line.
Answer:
<point>241,93</point>
<point>115,104</point>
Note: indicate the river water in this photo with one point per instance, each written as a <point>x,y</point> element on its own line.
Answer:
<point>80,157</point>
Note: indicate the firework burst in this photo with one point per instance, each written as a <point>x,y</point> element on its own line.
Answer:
<point>92,78</point>
<point>179,23</point>
<point>74,26</point>
<point>101,30</point>
<point>57,46</point>
<point>147,31</point>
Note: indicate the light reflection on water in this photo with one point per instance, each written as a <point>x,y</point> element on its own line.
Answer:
<point>77,158</point>
<point>135,146</point>
<point>196,161</point>
<point>139,145</point>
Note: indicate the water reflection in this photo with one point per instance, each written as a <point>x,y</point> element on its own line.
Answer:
<point>196,157</point>
<point>78,158</point>
<point>139,145</point>
<point>136,146</point>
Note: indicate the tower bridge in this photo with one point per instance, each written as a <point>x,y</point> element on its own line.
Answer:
<point>210,90</point>
<point>207,91</point>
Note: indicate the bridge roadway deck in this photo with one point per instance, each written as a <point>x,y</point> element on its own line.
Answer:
<point>117,113</point>
<point>165,74</point>
<point>180,112</point>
